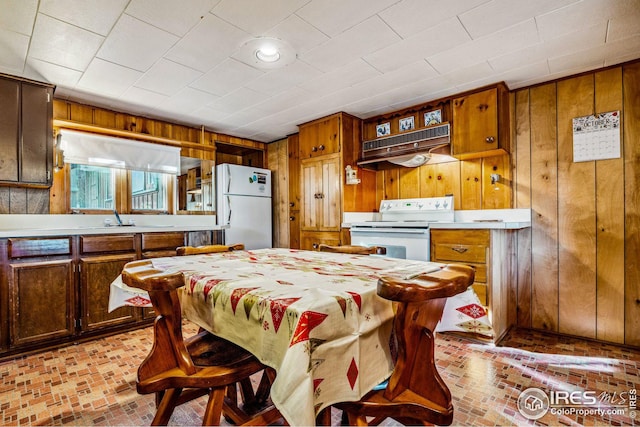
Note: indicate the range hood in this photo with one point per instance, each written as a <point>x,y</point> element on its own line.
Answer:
<point>409,149</point>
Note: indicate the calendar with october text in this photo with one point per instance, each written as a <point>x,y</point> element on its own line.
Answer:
<point>596,137</point>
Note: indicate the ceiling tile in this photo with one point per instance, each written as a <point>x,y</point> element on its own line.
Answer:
<point>187,100</point>
<point>626,26</point>
<point>364,38</point>
<point>13,51</point>
<point>497,15</point>
<point>559,46</point>
<point>106,78</point>
<point>167,77</point>
<point>150,44</point>
<point>226,77</point>
<point>18,15</point>
<point>241,13</point>
<point>496,44</point>
<point>208,44</point>
<point>95,16</point>
<point>47,72</point>
<point>175,17</point>
<point>284,100</point>
<point>410,73</point>
<point>584,13</point>
<point>352,73</point>
<point>594,55</point>
<point>409,17</point>
<point>515,76</point>
<point>299,34</point>
<point>436,39</point>
<point>279,80</point>
<point>63,44</point>
<point>140,96</point>
<point>238,100</point>
<point>333,17</point>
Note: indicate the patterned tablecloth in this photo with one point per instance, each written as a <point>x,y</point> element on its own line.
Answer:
<point>314,317</point>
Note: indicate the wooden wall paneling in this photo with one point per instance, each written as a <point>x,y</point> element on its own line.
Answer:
<point>544,206</point>
<point>471,184</point>
<point>126,122</point>
<point>60,110</point>
<point>631,127</point>
<point>104,118</point>
<point>576,215</point>
<point>409,182</point>
<point>37,201</point>
<point>610,220</point>
<point>80,113</point>
<point>5,200</point>
<point>498,195</point>
<point>521,164</point>
<point>391,186</point>
<point>448,181</point>
<point>427,180</point>
<point>380,187</point>
<point>277,155</point>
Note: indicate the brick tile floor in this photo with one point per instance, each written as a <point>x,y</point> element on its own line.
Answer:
<point>94,383</point>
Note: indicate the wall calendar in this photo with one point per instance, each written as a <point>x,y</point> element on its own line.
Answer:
<point>596,137</point>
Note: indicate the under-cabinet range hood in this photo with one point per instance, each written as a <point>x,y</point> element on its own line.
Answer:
<point>409,149</point>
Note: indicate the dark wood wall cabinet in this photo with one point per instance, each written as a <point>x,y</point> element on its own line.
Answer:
<point>26,133</point>
<point>55,290</point>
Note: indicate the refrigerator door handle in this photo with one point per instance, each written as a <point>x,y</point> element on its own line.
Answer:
<point>229,204</point>
<point>228,178</point>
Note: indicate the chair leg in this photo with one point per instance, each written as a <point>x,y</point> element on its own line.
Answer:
<point>214,407</point>
<point>166,407</point>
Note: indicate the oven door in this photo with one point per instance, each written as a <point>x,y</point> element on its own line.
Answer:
<point>406,243</point>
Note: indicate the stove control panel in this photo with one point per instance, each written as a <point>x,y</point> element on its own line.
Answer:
<point>417,205</point>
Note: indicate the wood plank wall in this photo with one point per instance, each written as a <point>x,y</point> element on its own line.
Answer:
<point>578,270</point>
<point>278,162</point>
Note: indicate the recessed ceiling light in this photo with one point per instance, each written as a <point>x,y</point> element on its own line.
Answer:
<point>266,53</point>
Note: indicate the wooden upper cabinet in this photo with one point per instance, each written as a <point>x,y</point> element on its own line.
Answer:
<point>26,132</point>
<point>320,138</point>
<point>480,124</point>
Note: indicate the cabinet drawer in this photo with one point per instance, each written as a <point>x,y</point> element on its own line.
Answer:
<point>154,241</point>
<point>460,252</point>
<point>23,248</point>
<point>311,240</point>
<point>107,243</point>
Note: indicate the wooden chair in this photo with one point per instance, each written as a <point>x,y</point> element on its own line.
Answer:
<point>415,393</point>
<point>179,370</point>
<point>208,249</point>
<point>353,249</point>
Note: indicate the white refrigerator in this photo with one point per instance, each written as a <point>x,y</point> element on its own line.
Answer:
<point>244,204</point>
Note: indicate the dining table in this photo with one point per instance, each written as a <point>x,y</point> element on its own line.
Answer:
<point>315,317</point>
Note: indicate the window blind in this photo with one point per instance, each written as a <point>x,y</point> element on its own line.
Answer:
<point>100,150</point>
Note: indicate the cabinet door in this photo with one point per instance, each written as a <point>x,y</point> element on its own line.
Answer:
<point>41,301</point>
<point>9,128</point>
<point>96,275</point>
<point>475,123</point>
<point>37,134</point>
<point>321,203</point>
<point>320,138</point>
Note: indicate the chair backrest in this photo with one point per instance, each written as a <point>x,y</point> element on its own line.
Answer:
<point>208,249</point>
<point>353,249</point>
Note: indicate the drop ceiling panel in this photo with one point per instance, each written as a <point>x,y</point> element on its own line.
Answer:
<point>63,44</point>
<point>242,13</point>
<point>276,81</point>
<point>47,72</point>
<point>208,44</point>
<point>18,16</point>
<point>226,77</point>
<point>354,72</point>
<point>301,35</point>
<point>150,44</point>
<point>105,78</point>
<point>95,16</point>
<point>186,101</point>
<point>238,100</point>
<point>364,38</point>
<point>13,51</point>
<point>176,17</point>
<point>167,77</point>
<point>140,96</point>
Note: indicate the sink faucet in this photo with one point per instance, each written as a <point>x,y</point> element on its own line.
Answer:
<point>118,220</point>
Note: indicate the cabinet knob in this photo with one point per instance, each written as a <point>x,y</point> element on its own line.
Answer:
<point>321,148</point>
<point>291,204</point>
<point>489,139</point>
<point>314,149</point>
<point>460,250</point>
<point>315,246</point>
<point>292,218</point>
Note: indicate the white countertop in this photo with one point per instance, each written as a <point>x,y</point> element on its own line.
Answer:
<point>64,225</point>
<point>506,219</point>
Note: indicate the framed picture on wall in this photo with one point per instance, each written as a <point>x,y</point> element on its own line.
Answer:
<point>406,124</point>
<point>432,117</point>
<point>383,129</point>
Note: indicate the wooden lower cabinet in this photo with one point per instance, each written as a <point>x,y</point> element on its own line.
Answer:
<point>96,275</point>
<point>42,301</point>
<point>491,253</point>
<point>310,240</point>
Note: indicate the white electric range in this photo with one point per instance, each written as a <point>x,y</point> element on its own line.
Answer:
<point>403,226</point>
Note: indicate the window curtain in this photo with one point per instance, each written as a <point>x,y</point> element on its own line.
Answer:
<point>106,151</point>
